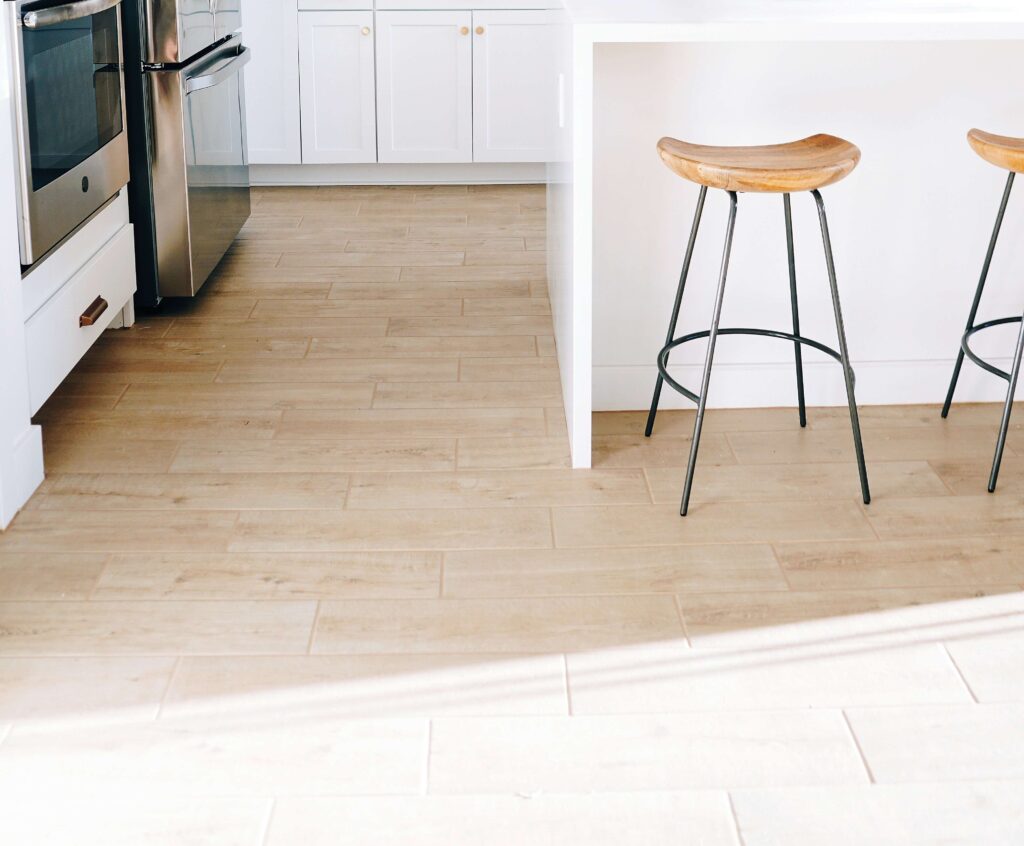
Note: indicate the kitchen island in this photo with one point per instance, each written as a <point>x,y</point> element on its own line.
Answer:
<point>903,80</point>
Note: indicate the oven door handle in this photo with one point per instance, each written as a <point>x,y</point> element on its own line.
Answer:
<point>67,12</point>
<point>222,72</point>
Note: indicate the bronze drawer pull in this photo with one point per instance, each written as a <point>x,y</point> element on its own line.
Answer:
<point>93,312</point>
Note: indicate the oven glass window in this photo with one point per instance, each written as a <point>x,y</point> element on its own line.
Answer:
<point>73,87</point>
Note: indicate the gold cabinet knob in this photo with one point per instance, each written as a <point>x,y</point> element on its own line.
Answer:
<point>464,30</point>
<point>366,30</point>
<point>480,30</point>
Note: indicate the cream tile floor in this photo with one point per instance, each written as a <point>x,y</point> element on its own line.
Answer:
<point>309,567</point>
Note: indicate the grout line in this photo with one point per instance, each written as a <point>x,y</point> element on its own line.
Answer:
<point>348,491</point>
<point>682,618</point>
<point>120,396</point>
<point>551,526</point>
<point>426,760</point>
<point>647,483</point>
<point>270,817</point>
<point>867,517</point>
<point>856,743</point>
<point>568,689</point>
<point>735,819</point>
<point>170,682</point>
<point>778,563</point>
<point>312,631</point>
<point>960,673</point>
<point>99,576</point>
<point>940,477</point>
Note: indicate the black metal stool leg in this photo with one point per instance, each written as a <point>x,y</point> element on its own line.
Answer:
<point>977,302</point>
<point>1007,411</point>
<point>709,357</point>
<point>843,350</point>
<point>679,300</point>
<point>796,313</point>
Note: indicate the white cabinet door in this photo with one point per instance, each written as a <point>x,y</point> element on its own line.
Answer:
<point>339,121</point>
<point>272,81</point>
<point>425,86</point>
<point>515,86</point>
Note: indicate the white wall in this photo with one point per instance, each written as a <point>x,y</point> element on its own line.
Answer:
<point>909,226</point>
<point>21,454</point>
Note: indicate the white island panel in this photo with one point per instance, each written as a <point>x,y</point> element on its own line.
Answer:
<point>620,219</point>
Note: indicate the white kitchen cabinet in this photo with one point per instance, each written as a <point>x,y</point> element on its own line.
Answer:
<point>339,117</point>
<point>425,86</point>
<point>515,86</point>
<point>272,81</point>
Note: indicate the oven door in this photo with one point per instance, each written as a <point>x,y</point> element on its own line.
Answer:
<point>216,159</point>
<point>200,167</point>
<point>72,143</point>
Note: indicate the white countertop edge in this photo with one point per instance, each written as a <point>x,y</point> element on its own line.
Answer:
<point>877,31</point>
<point>795,12</point>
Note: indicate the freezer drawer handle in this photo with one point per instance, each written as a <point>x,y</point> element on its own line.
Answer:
<point>93,312</point>
<point>208,80</point>
<point>66,12</point>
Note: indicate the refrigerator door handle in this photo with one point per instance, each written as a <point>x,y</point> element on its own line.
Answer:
<point>221,72</point>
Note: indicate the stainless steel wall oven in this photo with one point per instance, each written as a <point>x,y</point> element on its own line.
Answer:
<point>69,115</point>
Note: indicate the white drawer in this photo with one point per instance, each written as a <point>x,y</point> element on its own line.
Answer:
<point>54,338</point>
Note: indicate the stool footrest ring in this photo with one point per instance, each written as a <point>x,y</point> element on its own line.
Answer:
<point>785,336</point>
<point>973,356</point>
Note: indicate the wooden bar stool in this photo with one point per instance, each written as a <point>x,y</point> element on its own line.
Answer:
<point>806,165</point>
<point>1008,154</point>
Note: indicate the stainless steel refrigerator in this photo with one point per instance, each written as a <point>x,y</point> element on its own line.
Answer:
<point>189,189</point>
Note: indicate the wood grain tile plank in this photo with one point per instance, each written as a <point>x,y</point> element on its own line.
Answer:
<point>348,308</point>
<point>262,396</point>
<point>37,575</point>
<point>96,531</point>
<point>792,481</point>
<point>903,563</point>
<point>194,491</point>
<point>456,626</point>
<point>154,628</point>
<point>368,686</point>
<point>390,423</point>
<point>513,453</point>
<point>327,370</point>
<point>597,754</point>
<point>476,346</point>
<point>522,369</point>
<point>740,522</point>
<point>419,529</point>
<point>350,575</point>
<point>278,328</point>
<point>575,572</point>
<point>308,456</point>
<point>468,395</point>
<point>464,489</point>
<point>471,325</point>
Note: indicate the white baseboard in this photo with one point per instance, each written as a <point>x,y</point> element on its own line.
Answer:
<point>473,173</point>
<point>22,475</point>
<point>628,388</point>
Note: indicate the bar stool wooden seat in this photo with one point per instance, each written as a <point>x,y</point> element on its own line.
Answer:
<point>1008,154</point>
<point>1003,152</point>
<point>774,169</point>
<point>806,165</point>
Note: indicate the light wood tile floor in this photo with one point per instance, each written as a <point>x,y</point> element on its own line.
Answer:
<point>309,566</point>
